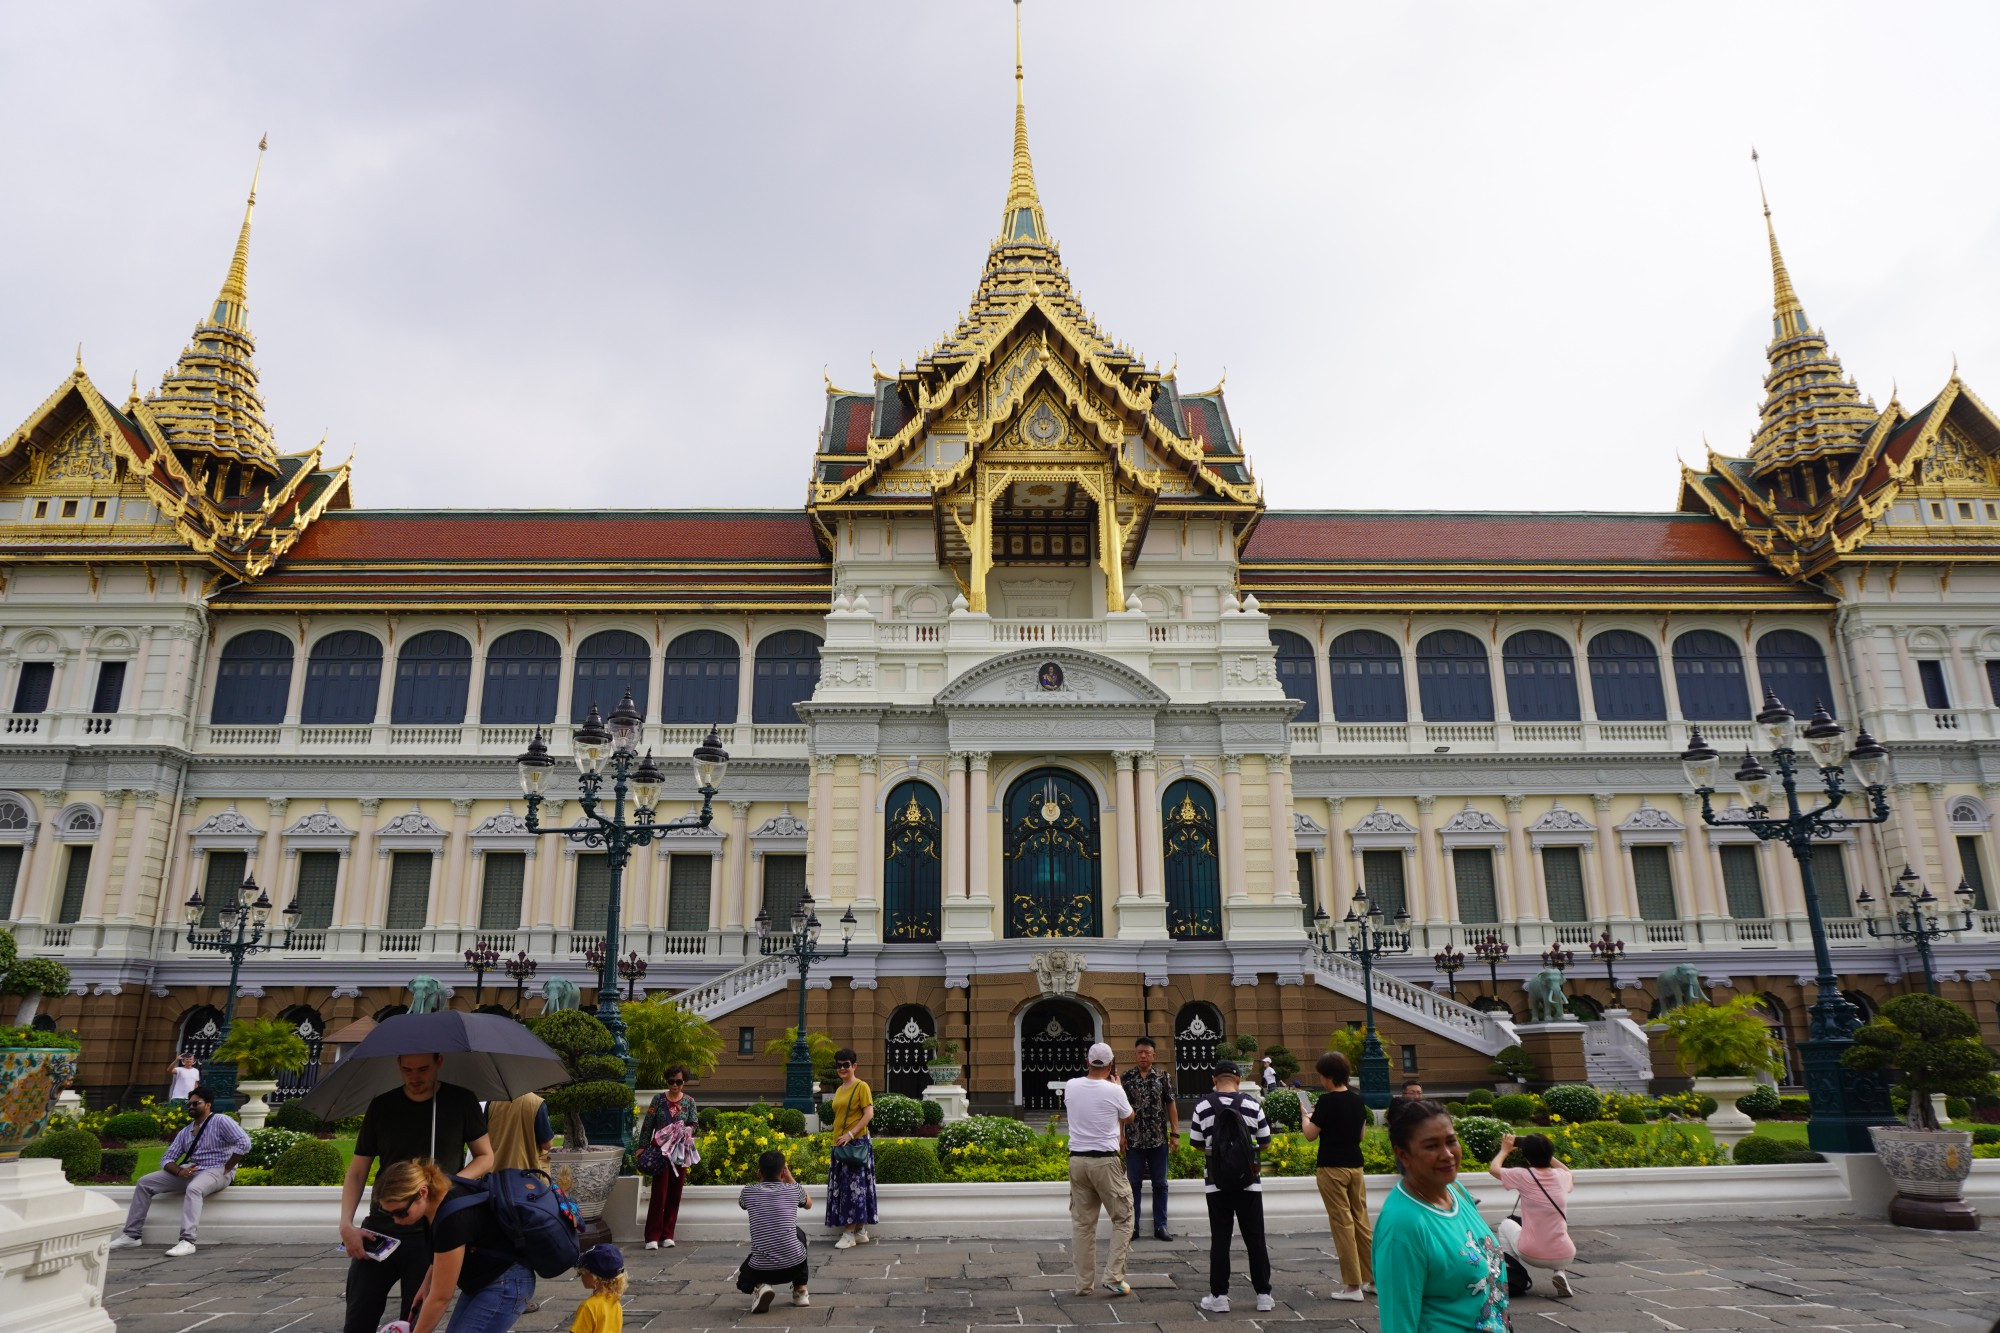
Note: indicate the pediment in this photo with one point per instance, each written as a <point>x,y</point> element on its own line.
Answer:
<point>1052,677</point>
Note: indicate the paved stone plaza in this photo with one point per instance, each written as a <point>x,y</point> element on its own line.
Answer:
<point>1846,1275</point>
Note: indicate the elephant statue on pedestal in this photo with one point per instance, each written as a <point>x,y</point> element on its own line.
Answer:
<point>1680,986</point>
<point>426,995</point>
<point>559,993</point>
<point>1546,1001</point>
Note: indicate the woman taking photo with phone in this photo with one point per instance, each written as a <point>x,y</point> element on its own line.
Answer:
<point>1538,1233</point>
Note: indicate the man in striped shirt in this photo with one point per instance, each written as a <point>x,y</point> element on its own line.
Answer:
<point>777,1244</point>
<point>1231,1129</point>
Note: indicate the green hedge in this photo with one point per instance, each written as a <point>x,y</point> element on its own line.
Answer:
<point>76,1149</point>
<point>1574,1102</point>
<point>1480,1097</point>
<point>293,1116</point>
<point>1760,1103</point>
<point>118,1162</point>
<point>993,1133</point>
<point>1480,1135</point>
<point>896,1116</point>
<point>907,1162</point>
<point>1281,1107</point>
<point>1763,1150</point>
<point>309,1162</point>
<point>1517,1107</point>
<point>132,1127</point>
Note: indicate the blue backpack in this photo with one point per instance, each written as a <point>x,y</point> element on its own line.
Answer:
<point>536,1216</point>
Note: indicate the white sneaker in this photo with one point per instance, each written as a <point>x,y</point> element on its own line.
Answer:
<point>1347,1294</point>
<point>667,1244</point>
<point>652,1245</point>
<point>760,1299</point>
<point>862,1237</point>
<point>802,1297</point>
<point>1265,1301</point>
<point>182,1250</point>
<point>846,1241</point>
<point>1215,1304</point>
<point>1368,1289</point>
<point>124,1242</point>
<point>1562,1286</point>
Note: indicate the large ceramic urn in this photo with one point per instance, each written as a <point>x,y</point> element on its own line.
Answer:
<point>1929,1167</point>
<point>30,1081</point>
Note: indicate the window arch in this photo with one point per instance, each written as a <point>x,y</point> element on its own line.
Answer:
<point>1191,866</point>
<point>912,864</point>
<point>1541,677</point>
<point>523,676</point>
<point>1625,678</point>
<point>1792,666</point>
<point>608,663</point>
<point>343,677</point>
<point>1453,682</point>
<point>701,679</point>
<point>1708,672</point>
<point>1295,673</point>
<point>200,1032</point>
<point>1054,863</point>
<point>253,680</point>
<point>433,673</point>
<point>906,1056</point>
<point>787,671</point>
<point>1197,1045</point>
<point>311,1028</point>
<point>1366,672</point>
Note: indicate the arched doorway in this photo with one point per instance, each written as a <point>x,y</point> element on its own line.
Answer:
<point>1197,1043</point>
<point>1055,1039</point>
<point>905,1058</point>
<point>1776,1017</point>
<point>304,1020</point>
<point>1584,1009</point>
<point>200,1034</point>
<point>1191,865</point>
<point>1054,865</point>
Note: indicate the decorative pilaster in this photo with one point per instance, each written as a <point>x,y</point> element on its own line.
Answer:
<point>822,827</point>
<point>1128,832</point>
<point>1431,904</point>
<point>956,828</point>
<point>978,796</point>
<point>1947,845</point>
<point>95,886</point>
<point>1235,864</point>
<point>867,855</point>
<point>1284,866</point>
<point>1615,899</point>
<point>736,868</point>
<point>1146,792</point>
<point>138,850</point>
<point>1527,902</point>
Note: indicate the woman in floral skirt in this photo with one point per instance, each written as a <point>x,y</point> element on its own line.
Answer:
<point>850,1184</point>
<point>669,1108</point>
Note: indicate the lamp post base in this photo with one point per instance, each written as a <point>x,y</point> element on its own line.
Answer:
<point>219,1077</point>
<point>799,1084</point>
<point>1374,1075</point>
<point>1845,1102</point>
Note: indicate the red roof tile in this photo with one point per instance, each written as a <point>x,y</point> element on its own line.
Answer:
<point>1526,538</point>
<point>556,536</point>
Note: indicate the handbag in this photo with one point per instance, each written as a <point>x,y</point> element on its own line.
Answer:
<point>650,1161</point>
<point>855,1152</point>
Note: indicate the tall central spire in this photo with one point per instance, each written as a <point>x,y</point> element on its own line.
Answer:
<point>231,306</point>
<point>1022,221</point>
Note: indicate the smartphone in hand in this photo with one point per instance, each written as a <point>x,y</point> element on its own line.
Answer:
<point>375,1245</point>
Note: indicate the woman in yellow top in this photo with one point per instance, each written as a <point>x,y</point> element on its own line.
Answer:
<point>850,1181</point>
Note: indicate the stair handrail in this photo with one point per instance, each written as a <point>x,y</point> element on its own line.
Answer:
<point>1486,1029</point>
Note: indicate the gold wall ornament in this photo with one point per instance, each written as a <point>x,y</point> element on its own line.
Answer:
<point>81,453</point>
<point>1955,460</point>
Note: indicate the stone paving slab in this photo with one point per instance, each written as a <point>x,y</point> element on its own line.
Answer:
<point>1851,1275</point>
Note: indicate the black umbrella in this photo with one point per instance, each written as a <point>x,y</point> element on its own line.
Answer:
<point>494,1057</point>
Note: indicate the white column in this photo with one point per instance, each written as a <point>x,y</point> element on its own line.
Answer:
<point>1525,901</point>
<point>822,828</point>
<point>956,829</point>
<point>1947,846</point>
<point>978,797</point>
<point>100,862</point>
<point>735,869</point>
<point>1284,866</point>
<point>138,845</point>
<point>867,854</point>
<point>37,884</point>
<point>351,900</point>
<point>269,847</point>
<point>1152,874</point>
<point>1705,899</point>
<point>1611,895</point>
<point>1128,831</point>
<point>1428,900</point>
<point>1339,860</point>
<point>1234,862</point>
<point>548,885</point>
<point>746,685</point>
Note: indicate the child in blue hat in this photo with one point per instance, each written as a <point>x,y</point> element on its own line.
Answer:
<point>602,1269</point>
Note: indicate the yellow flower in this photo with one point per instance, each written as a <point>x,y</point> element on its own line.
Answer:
<point>761,1140</point>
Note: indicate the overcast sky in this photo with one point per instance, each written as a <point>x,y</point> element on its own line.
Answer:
<point>1452,256</point>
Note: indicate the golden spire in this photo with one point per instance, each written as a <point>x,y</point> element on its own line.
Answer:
<point>1022,220</point>
<point>231,305</point>
<point>1788,314</point>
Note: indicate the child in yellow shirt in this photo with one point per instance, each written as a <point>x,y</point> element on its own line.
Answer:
<point>602,1269</point>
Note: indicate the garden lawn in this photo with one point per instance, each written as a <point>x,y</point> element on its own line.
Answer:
<point>150,1154</point>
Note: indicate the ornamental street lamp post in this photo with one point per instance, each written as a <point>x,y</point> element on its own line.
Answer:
<point>607,748</point>
<point>1608,951</point>
<point>243,932</point>
<point>522,968</point>
<point>1367,940</point>
<point>1844,1102</point>
<point>1448,961</point>
<point>1557,957</point>
<point>801,943</point>
<point>631,967</point>
<point>1491,948</point>
<point>481,958</point>
<point>1911,914</point>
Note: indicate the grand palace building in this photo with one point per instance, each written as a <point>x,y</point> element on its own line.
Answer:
<point>1037,681</point>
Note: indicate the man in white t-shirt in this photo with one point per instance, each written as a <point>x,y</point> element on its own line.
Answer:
<point>181,1078</point>
<point>1095,1106</point>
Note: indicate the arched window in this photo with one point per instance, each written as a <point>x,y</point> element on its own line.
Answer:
<point>253,680</point>
<point>200,1032</point>
<point>912,864</point>
<point>701,680</point>
<point>1541,677</point>
<point>343,677</point>
<point>433,672</point>
<point>608,663</point>
<point>1708,672</point>
<point>1197,1045</point>
<point>1191,865</point>
<point>1585,1009</point>
<point>1772,1010</point>
<point>1625,678</point>
<point>1792,666</point>
<point>1295,673</point>
<point>906,1056</point>
<point>523,676</point>
<point>1054,862</point>
<point>306,1021</point>
<point>787,671</point>
<point>1367,678</point>
<point>1453,678</point>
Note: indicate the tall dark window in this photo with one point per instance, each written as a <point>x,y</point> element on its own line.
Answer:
<point>593,893</point>
<point>1742,882</point>
<point>319,878</point>
<point>609,663</point>
<point>253,680</point>
<point>76,877</point>
<point>31,691</point>
<point>688,875</point>
<point>409,891</point>
<point>912,863</point>
<point>1929,671</point>
<point>343,677</point>
<point>1366,672</point>
<point>1993,680</point>
<point>1829,863</point>
<point>1382,876</point>
<point>1562,870</point>
<point>433,673</point>
<point>1653,877</point>
<point>1472,870</point>
<point>10,878</point>
<point>1053,858</point>
<point>221,885</point>
<point>787,671</point>
<point>1191,865</point>
<point>1308,891</point>
<point>1708,671</point>
<point>1625,678</point>
<point>1541,677</point>
<point>784,889</point>
<point>1295,674</point>
<point>1968,858</point>
<point>1792,666</point>
<point>1453,678</point>
<point>523,676</point>
<point>701,680</point>
<point>504,882</point>
<point>110,687</point>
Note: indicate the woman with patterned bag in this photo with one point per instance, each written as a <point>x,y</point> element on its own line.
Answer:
<point>666,1151</point>
<point>850,1177</point>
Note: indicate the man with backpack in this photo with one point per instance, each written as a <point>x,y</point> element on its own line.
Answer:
<point>1229,1126</point>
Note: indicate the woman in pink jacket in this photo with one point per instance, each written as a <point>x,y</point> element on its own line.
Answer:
<point>1541,1237</point>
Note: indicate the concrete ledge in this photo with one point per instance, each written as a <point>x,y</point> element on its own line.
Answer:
<point>1845,1185</point>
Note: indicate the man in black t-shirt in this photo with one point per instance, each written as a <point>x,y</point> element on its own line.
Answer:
<point>1338,1120</point>
<point>424,1118</point>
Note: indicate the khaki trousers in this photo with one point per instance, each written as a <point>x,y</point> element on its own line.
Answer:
<point>1344,1191</point>
<point>1099,1183</point>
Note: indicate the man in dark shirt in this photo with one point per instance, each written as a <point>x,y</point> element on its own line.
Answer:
<point>1338,1121</point>
<point>423,1118</point>
<point>1151,1135</point>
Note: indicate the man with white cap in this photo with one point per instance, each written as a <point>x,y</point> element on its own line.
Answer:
<point>1269,1075</point>
<point>1096,1106</point>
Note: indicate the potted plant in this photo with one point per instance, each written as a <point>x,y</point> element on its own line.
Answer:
<point>596,1081</point>
<point>944,1066</point>
<point>1725,1046</point>
<point>262,1049</point>
<point>31,979</point>
<point>1513,1067</point>
<point>1936,1046</point>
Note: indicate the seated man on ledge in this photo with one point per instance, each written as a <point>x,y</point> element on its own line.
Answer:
<point>201,1160</point>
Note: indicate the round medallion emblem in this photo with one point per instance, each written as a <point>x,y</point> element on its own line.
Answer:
<point>1050,677</point>
<point>1043,427</point>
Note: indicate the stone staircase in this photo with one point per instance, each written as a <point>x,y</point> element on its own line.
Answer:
<point>1486,1033</point>
<point>734,989</point>
<point>1617,1053</point>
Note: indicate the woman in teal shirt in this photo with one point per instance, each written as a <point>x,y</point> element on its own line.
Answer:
<point>1437,1267</point>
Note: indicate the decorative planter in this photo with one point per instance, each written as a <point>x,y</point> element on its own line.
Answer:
<point>586,1175</point>
<point>1929,1167</point>
<point>30,1082</point>
<point>1727,1124</point>
<point>253,1111</point>
<point>943,1073</point>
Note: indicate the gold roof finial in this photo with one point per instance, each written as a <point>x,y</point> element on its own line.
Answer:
<point>1788,313</point>
<point>1022,220</point>
<point>79,358</point>
<point>231,305</point>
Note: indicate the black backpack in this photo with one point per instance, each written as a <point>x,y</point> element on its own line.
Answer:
<point>1232,1157</point>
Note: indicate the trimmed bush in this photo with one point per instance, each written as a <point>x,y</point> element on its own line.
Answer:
<point>1281,1107</point>
<point>933,1113</point>
<point>710,1117</point>
<point>118,1164</point>
<point>1763,1150</point>
<point>994,1133</point>
<point>132,1127</point>
<point>267,1145</point>
<point>291,1115</point>
<point>76,1149</point>
<point>253,1175</point>
<point>1479,1097</point>
<point>1794,1108</point>
<point>1631,1115</point>
<point>1516,1107</point>
<point>1457,1109</point>
<point>1573,1102</point>
<point>1957,1108</point>
<point>1480,1135</point>
<point>1986,1133</point>
<point>309,1162</point>
<point>896,1116</point>
<point>1760,1103</point>
<point>907,1162</point>
<point>787,1120</point>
